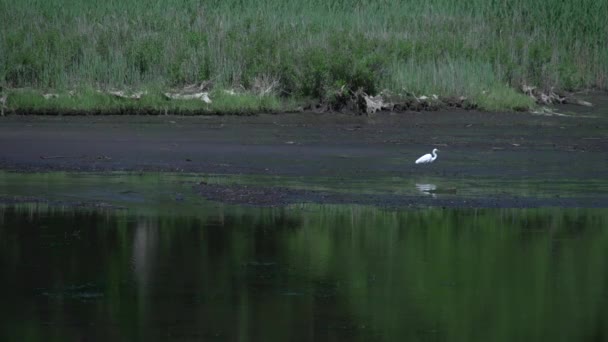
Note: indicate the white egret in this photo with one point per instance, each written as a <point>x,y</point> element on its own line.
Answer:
<point>427,158</point>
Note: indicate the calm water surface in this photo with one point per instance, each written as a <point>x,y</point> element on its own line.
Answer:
<point>302,273</point>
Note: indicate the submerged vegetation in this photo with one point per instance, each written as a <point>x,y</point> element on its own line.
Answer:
<point>483,50</point>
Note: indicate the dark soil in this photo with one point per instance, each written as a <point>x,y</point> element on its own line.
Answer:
<point>279,196</point>
<point>332,146</point>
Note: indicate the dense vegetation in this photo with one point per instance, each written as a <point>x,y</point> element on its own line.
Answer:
<point>307,49</point>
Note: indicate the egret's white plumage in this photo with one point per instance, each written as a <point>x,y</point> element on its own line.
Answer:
<point>428,158</point>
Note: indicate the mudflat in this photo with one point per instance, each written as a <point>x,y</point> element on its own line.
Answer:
<point>502,147</point>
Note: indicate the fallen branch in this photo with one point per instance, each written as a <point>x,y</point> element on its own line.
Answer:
<point>582,103</point>
<point>195,91</point>
<point>552,97</point>
<point>373,103</point>
<point>3,99</point>
<point>549,112</point>
<point>196,87</point>
<point>264,85</point>
<point>370,104</point>
<point>50,96</point>
<point>123,95</point>
<point>198,96</point>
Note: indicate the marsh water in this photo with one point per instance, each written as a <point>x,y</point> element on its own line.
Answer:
<point>140,257</point>
<point>304,228</point>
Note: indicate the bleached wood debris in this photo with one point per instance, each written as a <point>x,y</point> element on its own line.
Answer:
<point>50,96</point>
<point>123,95</point>
<point>375,103</point>
<point>3,100</point>
<point>551,97</point>
<point>204,96</point>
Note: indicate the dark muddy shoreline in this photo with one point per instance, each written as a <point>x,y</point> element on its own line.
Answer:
<point>334,147</point>
<point>278,196</point>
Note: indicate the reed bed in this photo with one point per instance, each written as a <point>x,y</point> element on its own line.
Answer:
<point>482,49</point>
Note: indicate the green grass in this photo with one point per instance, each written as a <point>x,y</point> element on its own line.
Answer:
<point>27,101</point>
<point>308,48</point>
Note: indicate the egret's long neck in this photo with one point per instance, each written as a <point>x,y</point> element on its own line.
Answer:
<point>434,155</point>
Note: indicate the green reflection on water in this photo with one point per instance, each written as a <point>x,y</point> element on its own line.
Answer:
<point>161,189</point>
<point>305,272</point>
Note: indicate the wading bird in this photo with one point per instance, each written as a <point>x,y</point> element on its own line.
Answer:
<point>427,158</point>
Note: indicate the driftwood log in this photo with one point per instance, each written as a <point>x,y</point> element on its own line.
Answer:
<point>196,96</point>
<point>552,97</point>
<point>3,99</point>
<point>123,95</point>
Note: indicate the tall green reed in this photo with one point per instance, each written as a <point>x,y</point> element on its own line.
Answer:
<point>310,47</point>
